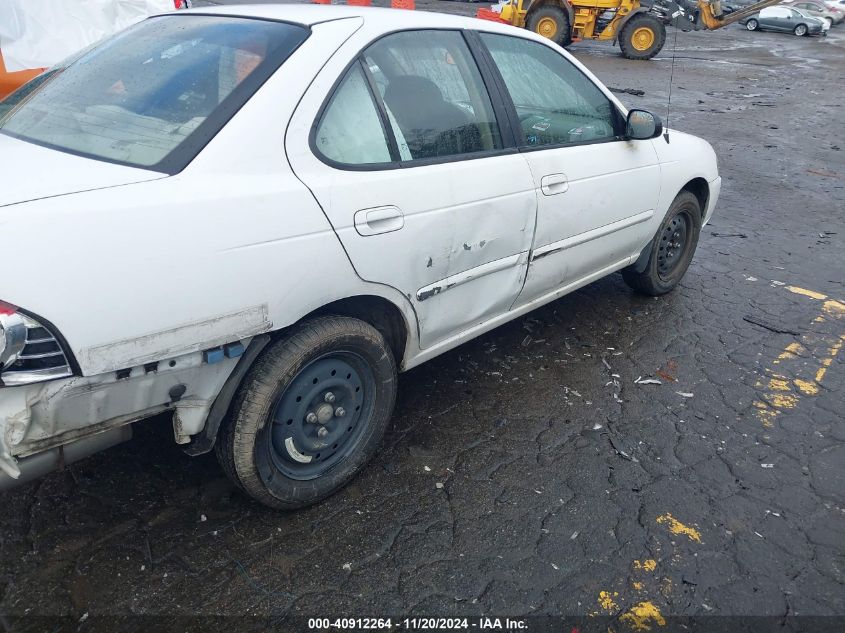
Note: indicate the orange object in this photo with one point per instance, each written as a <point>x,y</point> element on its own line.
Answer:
<point>489,14</point>
<point>9,82</point>
<point>322,1</point>
<point>402,4</point>
<point>359,3</point>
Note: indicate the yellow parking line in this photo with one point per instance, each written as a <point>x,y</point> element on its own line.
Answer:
<point>783,393</point>
<point>807,293</point>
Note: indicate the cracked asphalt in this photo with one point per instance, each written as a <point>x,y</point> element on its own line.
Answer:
<point>527,472</point>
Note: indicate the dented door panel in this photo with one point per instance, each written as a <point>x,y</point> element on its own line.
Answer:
<point>457,218</point>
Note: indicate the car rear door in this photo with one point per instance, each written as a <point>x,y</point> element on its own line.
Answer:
<point>408,155</point>
<point>596,192</point>
<point>778,18</point>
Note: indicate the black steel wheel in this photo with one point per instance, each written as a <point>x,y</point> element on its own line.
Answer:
<point>673,243</point>
<point>671,249</point>
<point>310,412</point>
<point>316,421</point>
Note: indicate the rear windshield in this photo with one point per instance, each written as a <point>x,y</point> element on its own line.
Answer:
<point>155,94</point>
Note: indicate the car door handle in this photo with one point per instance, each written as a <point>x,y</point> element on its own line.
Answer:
<point>379,220</point>
<point>554,184</point>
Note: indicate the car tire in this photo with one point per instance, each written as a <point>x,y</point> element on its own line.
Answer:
<point>553,23</point>
<point>642,37</point>
<point>669,260</point>
<point>752,25</point>
<point>800,30</point>
<point>287,443</point>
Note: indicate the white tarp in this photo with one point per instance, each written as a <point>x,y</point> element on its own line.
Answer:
<point>40,33</point>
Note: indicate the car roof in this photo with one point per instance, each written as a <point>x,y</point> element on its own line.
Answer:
<point>310,14</point>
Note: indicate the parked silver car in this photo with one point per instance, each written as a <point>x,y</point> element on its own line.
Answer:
<point>817,10</point>
<point>787,20</point>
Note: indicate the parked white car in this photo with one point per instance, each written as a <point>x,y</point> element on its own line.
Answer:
<point>253,217</point>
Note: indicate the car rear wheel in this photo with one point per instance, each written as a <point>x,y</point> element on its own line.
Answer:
<point>553,23</point>
<point>800,30</point>
<point>310,412</point>
<point>671,249</point>
<point>751,25</point>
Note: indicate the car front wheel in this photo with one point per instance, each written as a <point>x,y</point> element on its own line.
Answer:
<point>800,30</point>
<point>671,249</point>
<point>310,412</point>
<point>751,25</point>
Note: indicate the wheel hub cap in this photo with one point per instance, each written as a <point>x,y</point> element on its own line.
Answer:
<point>315,422</point>
<point>643,38</point>
<point>547,27</point>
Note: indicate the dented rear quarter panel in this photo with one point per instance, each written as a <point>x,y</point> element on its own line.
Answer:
<point>232,246</point>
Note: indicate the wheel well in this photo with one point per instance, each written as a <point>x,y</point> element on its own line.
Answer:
<point>701,190</point>
<point>378,312</point>
<point>550,3</point>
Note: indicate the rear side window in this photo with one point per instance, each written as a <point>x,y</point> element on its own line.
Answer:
<point>350,131</point>
<point>153,95</point>
<point>435,99</point>
<point>556,103</point>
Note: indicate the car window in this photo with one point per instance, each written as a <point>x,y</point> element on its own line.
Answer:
<point>143,93</point>
<point>433,94</point>
<point>350,130</point>
<point>556,103</point>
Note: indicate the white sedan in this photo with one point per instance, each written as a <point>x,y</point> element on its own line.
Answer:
<point>254,217</point>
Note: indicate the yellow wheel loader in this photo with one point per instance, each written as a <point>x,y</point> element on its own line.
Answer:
<point>638,26</point>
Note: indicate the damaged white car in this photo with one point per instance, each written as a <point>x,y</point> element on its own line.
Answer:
<point>254,217</point>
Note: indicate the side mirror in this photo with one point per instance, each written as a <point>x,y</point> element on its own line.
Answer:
<point>642,125</point>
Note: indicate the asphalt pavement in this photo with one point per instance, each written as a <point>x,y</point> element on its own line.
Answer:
<point>530,471</point>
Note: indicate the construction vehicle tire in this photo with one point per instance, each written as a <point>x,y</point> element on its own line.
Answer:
<point>642,37</point>
<point>551,22</point>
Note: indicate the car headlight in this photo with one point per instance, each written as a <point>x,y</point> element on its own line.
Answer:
<point>29,350</point>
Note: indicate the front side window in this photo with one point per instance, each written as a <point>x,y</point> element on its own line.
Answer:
<point>436,102</point>
<point>556,103</point>
<point>165,85</point>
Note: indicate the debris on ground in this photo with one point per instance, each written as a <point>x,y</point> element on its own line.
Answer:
<point>739,235</point>
<point>667,372</point>
<point>821,172</point>
<point>772,327</point>
<point>647,381</point>
<point>629,91</point>
<point>685,394</point>
<point>620,452</point>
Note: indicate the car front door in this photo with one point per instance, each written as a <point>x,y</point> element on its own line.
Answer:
<point>596,192</point>
<point>402,146</point>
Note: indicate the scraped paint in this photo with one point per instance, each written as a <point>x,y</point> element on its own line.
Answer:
<point>606,601</point>
<point>649,564</point>
<point>676,527</point>
<point>642,616</point>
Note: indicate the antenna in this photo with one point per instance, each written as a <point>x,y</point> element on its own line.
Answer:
<point>671,78</point>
